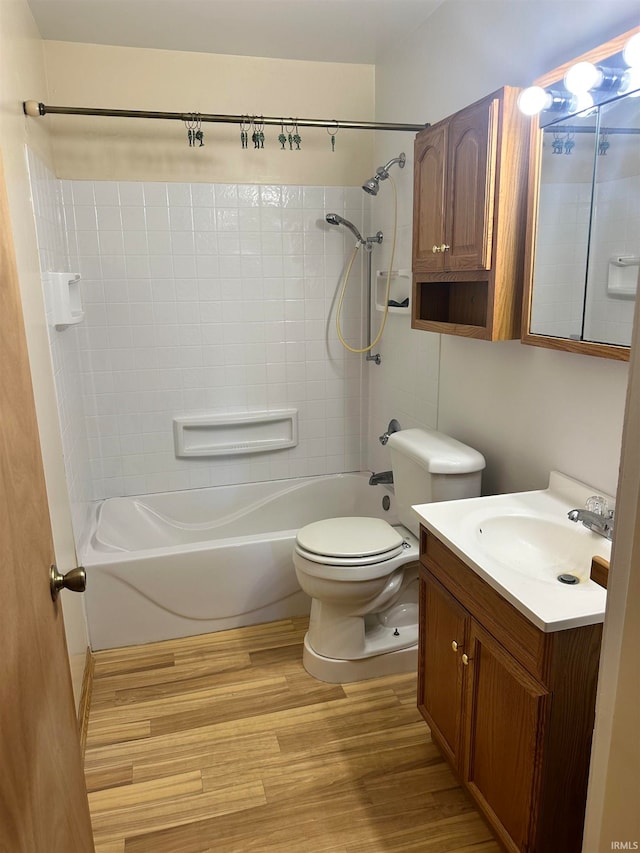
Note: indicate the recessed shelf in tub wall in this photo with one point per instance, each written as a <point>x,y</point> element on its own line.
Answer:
<point>399,292</point>
<point>63,299</point>
<point>234,434</point>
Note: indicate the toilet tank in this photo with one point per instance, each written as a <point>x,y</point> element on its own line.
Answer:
<point>430,466</point>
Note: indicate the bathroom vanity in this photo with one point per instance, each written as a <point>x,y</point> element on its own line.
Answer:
<point>511,703</point>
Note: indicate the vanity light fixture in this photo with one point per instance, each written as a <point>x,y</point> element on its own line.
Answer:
<point>581,80</point>
<point>535,99</point>
<point>631,51</point>
<point>585,76</point>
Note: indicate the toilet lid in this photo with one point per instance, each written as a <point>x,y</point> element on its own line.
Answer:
<point>350,538</point>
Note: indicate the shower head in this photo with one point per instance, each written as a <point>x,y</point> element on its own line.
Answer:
<point>372,185</point>
<point>382,173</point>
<point>334,219</point>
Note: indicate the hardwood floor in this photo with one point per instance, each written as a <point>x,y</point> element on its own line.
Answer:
<point>224,743</point>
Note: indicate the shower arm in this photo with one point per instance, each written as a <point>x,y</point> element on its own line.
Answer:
<point>36,108</point>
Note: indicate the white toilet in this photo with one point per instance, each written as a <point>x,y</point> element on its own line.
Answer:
<point>362,573</point>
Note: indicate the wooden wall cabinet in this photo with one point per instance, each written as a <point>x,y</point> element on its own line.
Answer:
<point>512,708</point>
<point>469,214</point>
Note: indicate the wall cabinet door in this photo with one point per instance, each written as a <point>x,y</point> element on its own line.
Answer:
<point>454,177</point>
<point>506,710</point>
<point>469,187</point>
<point>440,678</point>
<point>429,198</point>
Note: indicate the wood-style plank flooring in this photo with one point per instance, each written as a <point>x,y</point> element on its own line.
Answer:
<point>224,743</point>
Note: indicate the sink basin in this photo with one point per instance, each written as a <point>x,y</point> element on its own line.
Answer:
<point>537,546</point>
<point>520,543</point>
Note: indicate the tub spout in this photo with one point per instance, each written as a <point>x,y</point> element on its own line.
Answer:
<point>384,477</point>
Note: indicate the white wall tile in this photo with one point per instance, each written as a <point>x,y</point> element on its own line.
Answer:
<point>209,298</point>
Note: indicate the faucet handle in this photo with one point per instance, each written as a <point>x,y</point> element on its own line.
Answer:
<point>598,505</point>
<point>394,426</point>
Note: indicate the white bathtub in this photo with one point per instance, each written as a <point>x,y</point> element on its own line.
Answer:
<point>183,563</point>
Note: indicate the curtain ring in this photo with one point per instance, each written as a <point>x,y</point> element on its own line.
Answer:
<point>332,133</point>
<point>297,139</point>
<point>290,129</point>
<point>259,132</point>
<point>244,130</point>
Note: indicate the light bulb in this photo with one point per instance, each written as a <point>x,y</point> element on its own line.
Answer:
<point>582,103</point>
<point>631,52</point>
<point>533,100</point>
<point>630,82</point>
<point>581,77</point>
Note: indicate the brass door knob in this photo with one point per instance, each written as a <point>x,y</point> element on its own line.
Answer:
<point>436,249</point>
<point>74,580</point>
<point>454,646</point>
<point>465,660</point>
<point>444,247</point>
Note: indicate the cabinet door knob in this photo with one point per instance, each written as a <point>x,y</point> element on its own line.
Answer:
<point>436,249</point>
<point>465,659</point>
<point>454,646</point>
<point>444,247</point>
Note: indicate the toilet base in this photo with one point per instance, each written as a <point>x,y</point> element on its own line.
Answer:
<point>336,671</point>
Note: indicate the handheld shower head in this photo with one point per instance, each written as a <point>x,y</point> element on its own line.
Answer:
<point>334,219</point>
<point>382,173</point>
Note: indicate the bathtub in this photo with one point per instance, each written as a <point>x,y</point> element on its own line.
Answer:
<point>177,564</point>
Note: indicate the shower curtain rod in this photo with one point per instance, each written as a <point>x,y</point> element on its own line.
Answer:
<point>34,108</point>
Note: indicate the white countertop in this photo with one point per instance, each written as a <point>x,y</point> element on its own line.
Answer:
<point>519,544</point>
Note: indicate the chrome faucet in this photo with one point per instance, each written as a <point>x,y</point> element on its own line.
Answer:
<point>597,516</point>
<point>384,477</point>
<point>394,426</point>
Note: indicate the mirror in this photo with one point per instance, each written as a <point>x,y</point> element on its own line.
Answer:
<point>583,254</point>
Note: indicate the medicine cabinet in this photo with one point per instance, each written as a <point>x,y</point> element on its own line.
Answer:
<point>583,246</point>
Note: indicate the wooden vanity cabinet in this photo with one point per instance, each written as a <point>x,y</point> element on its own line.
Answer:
<point>512,708</point>
<point>469,215</point>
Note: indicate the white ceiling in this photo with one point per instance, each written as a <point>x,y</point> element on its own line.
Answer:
<point>323,30</point>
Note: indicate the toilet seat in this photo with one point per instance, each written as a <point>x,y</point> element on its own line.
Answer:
<point>351,541</point>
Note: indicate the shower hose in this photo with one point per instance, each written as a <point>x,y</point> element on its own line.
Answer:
<point>345,282</point>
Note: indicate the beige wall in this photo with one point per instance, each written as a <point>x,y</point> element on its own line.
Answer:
<point>22,71</point>
<point>143,79</point>
<point>527,409</point>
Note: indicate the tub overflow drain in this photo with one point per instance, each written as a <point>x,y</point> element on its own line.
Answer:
<point>570,579</point>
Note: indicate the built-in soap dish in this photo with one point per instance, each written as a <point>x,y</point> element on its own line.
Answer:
<point>399,291</point>
<point>622,279</point>
<point>63,299</point>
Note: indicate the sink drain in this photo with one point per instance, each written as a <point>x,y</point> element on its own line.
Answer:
<point>570,579</point>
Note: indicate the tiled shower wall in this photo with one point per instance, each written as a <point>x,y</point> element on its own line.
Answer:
<point>203,298</point>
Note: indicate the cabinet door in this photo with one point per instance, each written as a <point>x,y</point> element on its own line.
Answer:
<point>428,199</point>
<point>443,632</point>
<point>505,716</point>
<point>471,161</point>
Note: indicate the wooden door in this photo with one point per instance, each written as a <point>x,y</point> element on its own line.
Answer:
<point>429,198</point>
<point>43,800</point>
<point>505,715</point>
<point>471,163</point>
<point>443,634</point>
